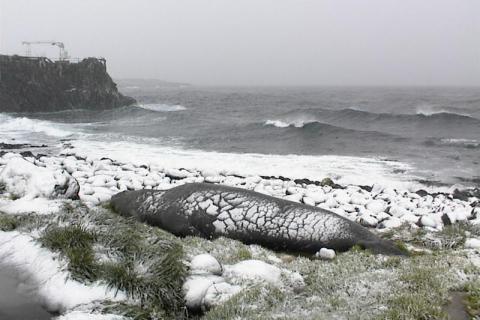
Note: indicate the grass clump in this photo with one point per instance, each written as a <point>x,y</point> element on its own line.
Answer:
<point>156,283</point>
<point>453,236</point>
<point>402,247</point>
<point>423,295</point>
<point>136,312</point>
<point>392,262</point>
<point>472,298</point>
<point>411,306</point>
<point>142,261</point>
<point>8,223</point>
<point>240,306</point>
<point>243,253</point>
<point>76,243</point>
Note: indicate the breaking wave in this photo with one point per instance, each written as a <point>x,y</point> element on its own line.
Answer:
<point>428,110</point>
<point>285,124</point>
<point>162,107</point>
<point>10,126</point>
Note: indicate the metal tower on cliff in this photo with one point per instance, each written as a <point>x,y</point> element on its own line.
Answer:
<point>62,55</point>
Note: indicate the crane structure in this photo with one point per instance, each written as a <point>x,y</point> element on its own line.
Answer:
<point>62,55</point>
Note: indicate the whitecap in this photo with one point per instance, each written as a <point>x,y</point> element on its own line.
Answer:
<point>162,107</point>
<point>462,142</point>
<point>285,124</point>
<point>429,110</point>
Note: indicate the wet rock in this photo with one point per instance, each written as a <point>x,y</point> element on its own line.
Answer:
<point>327,182</point>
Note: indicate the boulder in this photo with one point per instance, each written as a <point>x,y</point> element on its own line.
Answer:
<point>326,254</point>
<point>205,263</point>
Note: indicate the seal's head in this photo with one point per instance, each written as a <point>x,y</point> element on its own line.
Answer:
<point>381,246</point>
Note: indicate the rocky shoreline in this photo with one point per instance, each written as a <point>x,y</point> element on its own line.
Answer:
<point>37,185</point>
<point>375,206</point>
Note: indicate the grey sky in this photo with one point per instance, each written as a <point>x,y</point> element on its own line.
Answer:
<point>261,42</point>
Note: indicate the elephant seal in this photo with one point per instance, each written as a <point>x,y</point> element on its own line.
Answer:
<point>210,211</point>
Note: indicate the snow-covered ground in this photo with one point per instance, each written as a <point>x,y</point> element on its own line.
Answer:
<point>43,185</point>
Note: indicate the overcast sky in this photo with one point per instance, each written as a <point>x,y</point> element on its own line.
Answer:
<point>260,42</point>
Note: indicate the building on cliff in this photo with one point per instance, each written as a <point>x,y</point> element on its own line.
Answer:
<point>37,84</point>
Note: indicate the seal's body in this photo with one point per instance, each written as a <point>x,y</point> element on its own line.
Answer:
<point>210,211</point>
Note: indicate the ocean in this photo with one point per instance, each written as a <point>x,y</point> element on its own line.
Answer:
<point>427,136</point>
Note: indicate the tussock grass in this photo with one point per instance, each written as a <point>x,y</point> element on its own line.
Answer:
<point>134,311</point>
<point>7,222</point>
<point>145,263</point>
<point>472,299</point>
<point>241,306</point>
<point>243,254</point>
<point>424,285</point>
<point>76,243</point>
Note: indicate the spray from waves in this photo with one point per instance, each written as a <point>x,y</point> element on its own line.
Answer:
<point>162,107</point>
<point>13,126</point>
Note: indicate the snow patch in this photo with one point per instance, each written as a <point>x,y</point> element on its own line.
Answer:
<point>40,206</point>
<point>42,277</point>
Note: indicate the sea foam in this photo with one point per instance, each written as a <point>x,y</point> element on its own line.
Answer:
<point>343,169</point>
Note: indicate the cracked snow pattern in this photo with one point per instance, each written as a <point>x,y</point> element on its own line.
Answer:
<point>239,211</point>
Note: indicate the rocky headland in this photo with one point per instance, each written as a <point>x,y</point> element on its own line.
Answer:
<point>37,84</point>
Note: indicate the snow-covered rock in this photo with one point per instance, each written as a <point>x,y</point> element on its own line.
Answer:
<point>358,199</point>
<point>254,270</point>
<point>472,243</point>
<point>218,293</point>
<point>195,289</point>
<point>318,196</point>
<point>205,263</point>
<point>398,211</point>
<point>376,206</point>
<point>367,221</point>
<point>327,254</point>
<point>308,201</point>
<point>26,180</point>
<point>392,222</point>
<point>177,174</point>
<point>429,221</point>
<point>297,197</point>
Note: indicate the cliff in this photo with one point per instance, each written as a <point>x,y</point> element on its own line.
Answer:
<point>39,84</point>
